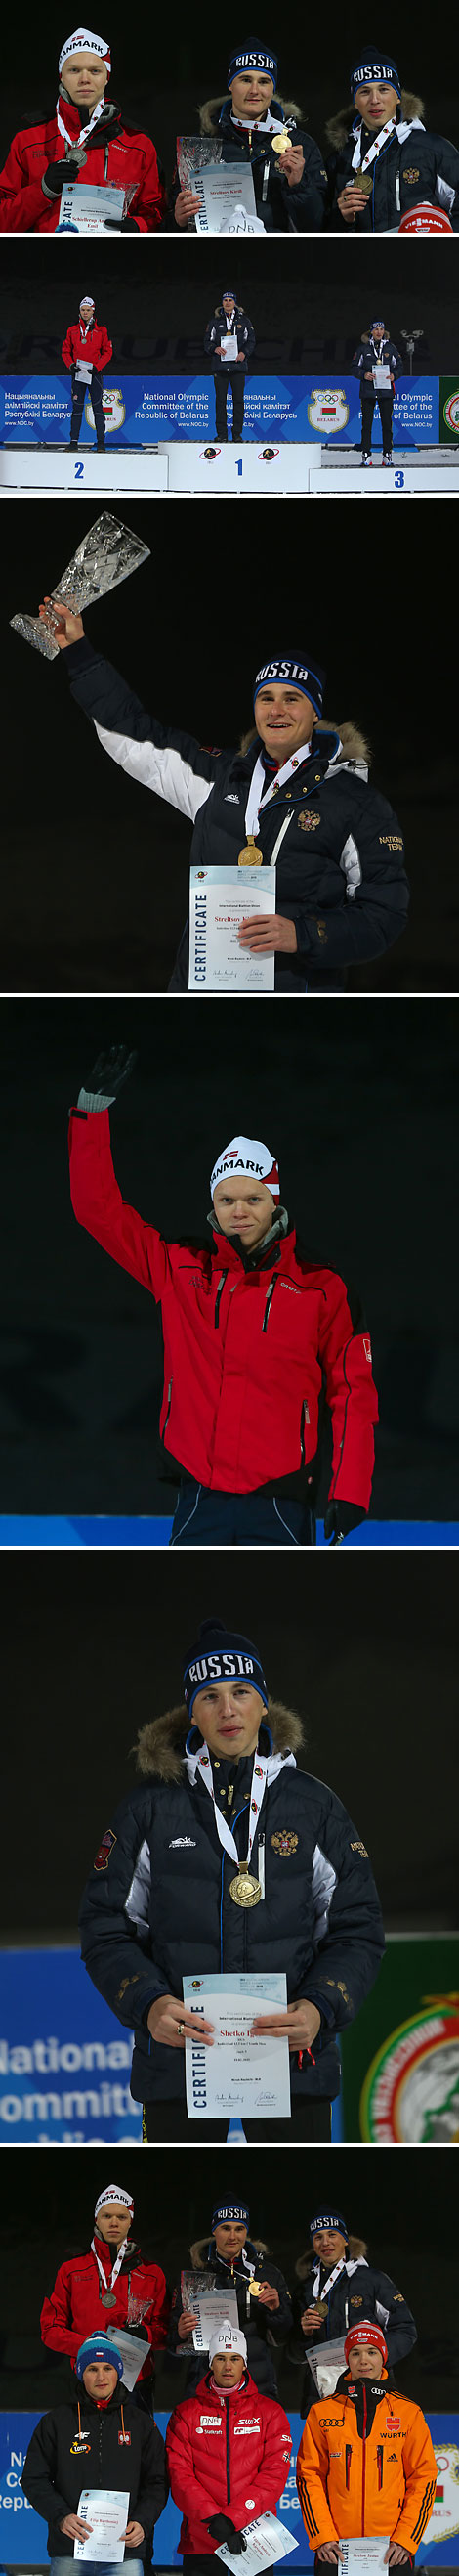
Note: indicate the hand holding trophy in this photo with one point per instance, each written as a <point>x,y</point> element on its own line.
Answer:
<point>107,555</point>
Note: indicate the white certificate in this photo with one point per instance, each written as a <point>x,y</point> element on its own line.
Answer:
<point>85,210</point>
<point>83,371</point>
<point>267,2541</point>
<point>326,2360</point>
<point>229,347</point>
<point>107,2510</point>
<point>362,2554</point>
<point>220,898</point>
<point>239,2077</point>
<point>133,2351</point>
<point>213,2311</point>
<point>382,379</point>
<point>220,190</point>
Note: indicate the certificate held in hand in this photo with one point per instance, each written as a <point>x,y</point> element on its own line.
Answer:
<point>220,899</point>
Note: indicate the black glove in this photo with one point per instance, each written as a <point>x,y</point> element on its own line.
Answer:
<point>128,224</point>
<point>222,2529</point>
<point>340,1518</point>
<point>55,176</point>
<point>111,1070</point>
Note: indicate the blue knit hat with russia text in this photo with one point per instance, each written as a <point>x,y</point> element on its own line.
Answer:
<point>298,673</point>
<point>374,65</point>
<point>220,1655</point>
<point>252,58</point>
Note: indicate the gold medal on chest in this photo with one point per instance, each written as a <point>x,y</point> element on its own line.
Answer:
<point>251,856</point>
<point>244,1889</point>
<point>282,142</point>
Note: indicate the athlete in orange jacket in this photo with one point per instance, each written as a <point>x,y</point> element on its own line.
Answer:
<point>366,2463</point>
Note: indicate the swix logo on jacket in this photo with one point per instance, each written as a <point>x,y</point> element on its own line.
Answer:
<point>226,2474</point>
<point>245,1362</point>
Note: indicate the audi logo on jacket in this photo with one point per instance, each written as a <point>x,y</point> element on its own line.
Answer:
<point>227,2452</point>
<point>249,1345</point>
<point>366,2464</point>
<point>340,874</point>
<point>157,1903</point>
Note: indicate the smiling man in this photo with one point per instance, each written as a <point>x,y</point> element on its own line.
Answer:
<point>112,2276</point>
<point>366,2462</point>
<point>87,142</point>
<point>294,799</point>
<point>384,162</point>
<point>257,129</point>
<point>228,1857</point>
<point>338,2285</point>
<point>235,2260</point>
<point>221,2481</point>
<point>256,1335</point>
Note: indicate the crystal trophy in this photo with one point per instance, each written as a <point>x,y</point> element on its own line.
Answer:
<point>196,153</point>
<point>107,555</point>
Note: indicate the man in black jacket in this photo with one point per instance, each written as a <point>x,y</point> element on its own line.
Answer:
<point>383,162</point>
<point>163,1899</point>
<point>295,797</point>
<point>339,2286</point>
<point>377,362</point>
<point>229,341</point>
<point>258,129</point>
<point>98,2439</point>
<point>234,2260</point>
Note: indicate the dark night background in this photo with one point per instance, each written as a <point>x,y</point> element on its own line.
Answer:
<point>307,298</point>
<point>163,68</point>
<point>95,870</point>
<point>93,1646</point>
<point>358,1100</point>
<point>406,2215</point>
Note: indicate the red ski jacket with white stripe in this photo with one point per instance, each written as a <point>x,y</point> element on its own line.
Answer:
<point>74,2307</point>
<point>228,2451</point>
<point>94,345</point>
<point>250,1344</point>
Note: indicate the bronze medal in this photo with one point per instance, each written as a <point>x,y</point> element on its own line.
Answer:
<point>362,179</point>
<point>321,2311</point>
<point>244,1889</point>
<point>251,856</point>
<point>282,142</point>
<point>109,2300</point>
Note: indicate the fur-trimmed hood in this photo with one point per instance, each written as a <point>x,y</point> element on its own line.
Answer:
<point>161,1743</point>
<point>199,2250</point>
<point>339,127</point>
<point>209,114</point>
<point>356,2249</point>
<point>353,743</point>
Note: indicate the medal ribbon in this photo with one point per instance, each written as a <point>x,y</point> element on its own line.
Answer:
<point>258,1785</point>
<point>255,801</point>
<point>329,2284</point>
<point>375,148</point>
<point>108,2285</point>
<point>85,129</point>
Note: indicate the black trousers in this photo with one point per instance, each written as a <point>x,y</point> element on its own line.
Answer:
<point>385,404</point>
<point>223,377</point>
<point>310,2121</point>
<point>204,1519</point>
<point>78,398</point>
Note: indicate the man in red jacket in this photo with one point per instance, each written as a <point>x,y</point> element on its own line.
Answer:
<point>253,1331</point>
<point>87,142</point>
<point>228,2454</point>
<point>86,350</point>
<point>111,2284</point>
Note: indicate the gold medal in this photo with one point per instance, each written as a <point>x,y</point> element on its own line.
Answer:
<point>244,1889</point>
<point>321,2311</point>
<point>254,2288</point>
<point>282,142</point>
<point>251,856</point>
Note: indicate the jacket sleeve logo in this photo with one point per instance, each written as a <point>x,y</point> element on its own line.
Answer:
<point>105,1848</point>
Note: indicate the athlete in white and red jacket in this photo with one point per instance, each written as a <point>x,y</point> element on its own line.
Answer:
<point>228,2452</point>
<point>87,142</point>
<point>109,2286</point>
<point>255,1332</point>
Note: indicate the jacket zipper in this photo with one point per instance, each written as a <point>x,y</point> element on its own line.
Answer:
<point>106,162</point>
<point>221,1283</point>
<point>268,1302</point>
<point>380,2457</point>
<point>348,2462</point>
<point>228,2454</point>
<point>169,1402</point>
<point>364,2458</point>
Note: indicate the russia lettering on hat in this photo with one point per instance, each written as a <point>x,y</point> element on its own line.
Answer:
<point>334,2220</point>
<point>375,67</point>
<point>228,2210</point>
<point>82,42</point>
<point>299,673</point>
<point>246,1155</point>
<point>252,58</point>
<point>220,1655</point>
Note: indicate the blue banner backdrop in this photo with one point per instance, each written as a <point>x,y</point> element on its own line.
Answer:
<point>64,2079</point>
<point>24,2534</point>
<point>142,409</point>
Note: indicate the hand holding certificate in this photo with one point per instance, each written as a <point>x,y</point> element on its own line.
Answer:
<point>222,902</point>
<point>246,2073</point>
<point>267,2541</point>
<point>105,2511</point>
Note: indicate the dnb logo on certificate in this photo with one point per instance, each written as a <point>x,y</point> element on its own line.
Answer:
<point>113,406</point>
<point>328,409</point>
<point>411,2092</point>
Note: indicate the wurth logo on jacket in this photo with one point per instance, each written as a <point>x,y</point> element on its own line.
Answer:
<point>213,2469</point>
<point>245,1359</point>
<point>366,2464</point>
<point>93,344</point>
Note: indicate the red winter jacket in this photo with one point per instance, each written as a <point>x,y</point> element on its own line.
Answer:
<point>226,2454</point>
<point>245,1351</point>
<point>118,160</point>
<point>93,345</point>
<point>75,2310</point>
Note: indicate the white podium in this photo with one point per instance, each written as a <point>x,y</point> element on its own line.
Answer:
<point>391,482</point>
<point>45,469</point>
<point>255,466</point>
